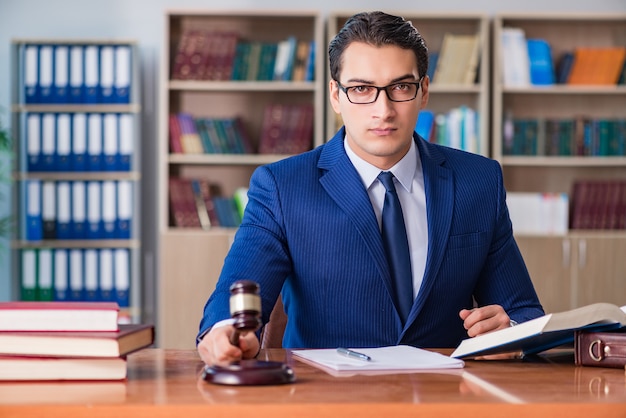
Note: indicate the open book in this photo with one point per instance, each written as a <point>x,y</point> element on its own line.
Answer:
<point>383,360</point>
<point>545,332</point>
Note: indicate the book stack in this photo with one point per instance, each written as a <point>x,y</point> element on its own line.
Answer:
<point>41,341</point>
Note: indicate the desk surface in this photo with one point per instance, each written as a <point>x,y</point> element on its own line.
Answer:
<point>166,382</point>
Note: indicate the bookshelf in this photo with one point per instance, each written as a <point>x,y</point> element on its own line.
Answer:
<point>191,258</point>
<point>580,266</point>
<point>76,173</point>
<point>444,95</point>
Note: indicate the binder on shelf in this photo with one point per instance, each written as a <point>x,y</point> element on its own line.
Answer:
<point>77,74</point>
<point>78,225</point>
<point>110,148</point>
<point>63,142</point>
<point>123,74</point>
<point>109,201</point>
<point>78,155</point>
<point>126,142</point>
<point>94,142</point>
<point>105,272</point>
<point>48,141</point>
<point>124,209</point>
<point>46,73</point>
<point>31,73</point>
<point>61,276</point>
<point>48,209</point>
<point>60,90</point>
<point>34,229</point>
<point>91,76</point>
<point>28,285</point>
<point>76,274</point>
<point>107,74</point>
<point>64,210</point>
<point>122,277</point>
<point>33,142</point>
<point>94,210</point>
<point>90,257</point>
<point>44,275</point>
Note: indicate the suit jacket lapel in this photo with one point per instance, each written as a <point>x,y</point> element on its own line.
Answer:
<point>343,184</point>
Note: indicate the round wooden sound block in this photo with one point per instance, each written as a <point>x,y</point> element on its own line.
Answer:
<point>250,373</point>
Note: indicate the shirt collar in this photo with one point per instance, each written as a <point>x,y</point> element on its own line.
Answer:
<point>403,170</point>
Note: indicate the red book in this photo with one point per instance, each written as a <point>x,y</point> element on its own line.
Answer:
<point>60,368</point>
<point>59,316</point>
<point>129,338</point>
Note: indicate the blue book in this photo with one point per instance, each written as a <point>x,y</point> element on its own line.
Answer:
<point>48,142</point>
<point>78,154</point>
<point>107,74</point>
<point>94,210</point>
<point>60,277</point>
<point>78,220</point>
<point>123,74</point>
<point>77,74</point>
<point>109,209</point>
<point>64,210</point>
<point>540,60</point>
<point>34,228</point>
<point>63,142</point>
<point>76,275</point>
<point>94,142</point>
<point>110,141</point>
<point>92,74</point>
<point>124,209</point>
<point>564,67</point>
<point>31,73</point>
<point>60,89</point>
<point>425,123</point>
<point>46,73</point>
<point>33,142</point>
<point>122,277</point>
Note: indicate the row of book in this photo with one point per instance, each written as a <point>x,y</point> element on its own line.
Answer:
<point>598,204</point>
<point>59,210</point>
<point>224,55</point>
<point>457,61</point>
<point>531,62</point>
<point>79,141</point>
<point>538,213</point>
<point>196,203</point>
<point>456,129</point>
<point>75,274</point>
<point>580,136</point>
<point>208,135</point>
<point>85,74</point>
<point>67,341</point>
<point>286,129</point>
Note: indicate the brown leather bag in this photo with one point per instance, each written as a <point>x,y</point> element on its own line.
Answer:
<point>600,349</point>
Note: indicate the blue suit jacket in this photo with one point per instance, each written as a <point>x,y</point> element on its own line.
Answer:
<point>309,230</point>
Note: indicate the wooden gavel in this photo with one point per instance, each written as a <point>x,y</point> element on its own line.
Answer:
<point>245,308</point>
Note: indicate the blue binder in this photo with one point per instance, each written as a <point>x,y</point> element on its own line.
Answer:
<point>28,275</point>
<point>110,141</point>
<point>63,142</point>
<point>48,209</point>
<point>92,74</point>
<point>64,210</point>
<point>44,275</point>
<point>90,257</point>
<point>76,275</point>
<point>123,74</point>
<point>109,213</point>
<point>77,74</point>
<point>105,274</point>
<point>122,277</point>
<point>94,210</point>
<point>34,229</point>
<point>94,142</point>
<point>46,73</point>
<point>107,74</point>
<point>78,220</point>
<point>60,89</point>
<point>48,141</point>
<point>33,142</point>
<point>61,275</point>
<point>126,142</point>
<point>124,209</point>
<point>31,73</point>
<point>78,155</point>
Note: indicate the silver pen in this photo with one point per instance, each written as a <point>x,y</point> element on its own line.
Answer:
<point>353,354</point>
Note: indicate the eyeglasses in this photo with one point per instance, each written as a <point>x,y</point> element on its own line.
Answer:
<point>397,92</point>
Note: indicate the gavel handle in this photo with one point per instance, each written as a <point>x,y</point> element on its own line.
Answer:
<point>234,339</point>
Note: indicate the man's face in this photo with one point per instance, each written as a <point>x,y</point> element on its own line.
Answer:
<point>379,132</point>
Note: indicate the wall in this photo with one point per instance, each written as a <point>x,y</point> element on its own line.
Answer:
<point>143,20</point>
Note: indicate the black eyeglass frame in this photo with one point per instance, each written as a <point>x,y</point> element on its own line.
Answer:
<point>378,90</point>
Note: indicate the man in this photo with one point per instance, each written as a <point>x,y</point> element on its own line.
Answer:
<point>312,227</point>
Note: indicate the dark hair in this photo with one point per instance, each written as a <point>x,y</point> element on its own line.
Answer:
<point>377,29</point>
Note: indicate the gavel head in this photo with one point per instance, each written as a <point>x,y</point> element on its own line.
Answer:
<point>245,305</point>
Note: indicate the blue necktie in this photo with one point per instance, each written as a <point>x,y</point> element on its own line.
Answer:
<point>396,246</point>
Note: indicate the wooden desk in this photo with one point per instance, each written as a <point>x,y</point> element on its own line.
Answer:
<point>163,383</point>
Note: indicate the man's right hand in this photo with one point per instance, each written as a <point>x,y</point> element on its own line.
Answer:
<point>215,348</point>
